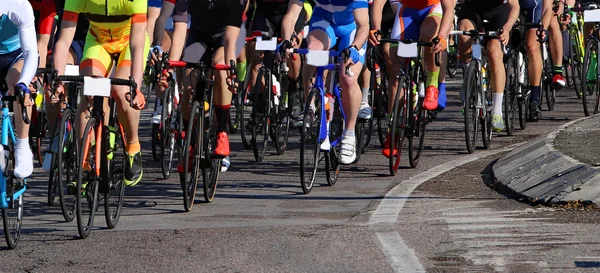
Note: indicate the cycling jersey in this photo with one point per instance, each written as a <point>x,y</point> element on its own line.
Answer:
<point>17,31</point>
<point>268,16</point>
<point>484,5</point>
<point>55,8</point>
<point>110,26</point>
<point>339,12</point>
<point>531,10</point>
<point>210,17</point>
<point>155,3</point>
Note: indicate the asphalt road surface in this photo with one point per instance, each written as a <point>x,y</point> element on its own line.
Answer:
<point>439,217</point>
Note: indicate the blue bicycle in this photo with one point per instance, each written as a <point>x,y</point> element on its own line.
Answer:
<point>11,188</point>
<point>323,121</point>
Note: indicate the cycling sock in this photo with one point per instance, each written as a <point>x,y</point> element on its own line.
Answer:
<point>133,148</point>
<point>222,112</point>
<point>241,71</point>
<point>432,79</point>
<point>365,94</point>
<point>23,158</point>
<point>535,94</point>
<point>497,99</point>
<point>557,70</point>
<point>348,133</point>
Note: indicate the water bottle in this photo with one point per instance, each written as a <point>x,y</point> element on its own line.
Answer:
<point>377,74</point>
<point>276,87</point>
<point>47,163</point>
<point>485,79</point>
<point>521,68</point>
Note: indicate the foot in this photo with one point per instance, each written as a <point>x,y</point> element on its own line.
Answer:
<point>534,111</point>
<point>431,98</point>
<point>225,163</point>
<point>133,169</point>
<point>386,151</point>
<point>365,111</point>
<point>497,123</point>
<point>156,115</point>
<point>348,150</point>
<point>559,80</point>
<point>222,148</point>
<point>442,97</point>
<point>24,162</point>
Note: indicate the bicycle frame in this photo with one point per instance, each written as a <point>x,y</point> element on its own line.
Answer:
<point>7,131</point>
<point>334,90</point>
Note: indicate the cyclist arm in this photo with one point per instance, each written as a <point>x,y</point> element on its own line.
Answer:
<point>61,48</point>
<point>166,11</point>
<point>290,18</point>
<point>136,43</point>
<point>361,16</point>
<point>21,15</point>
<point>47,14</point>
<point>377,14</point>
<point>447,17</point>
<point>513,15</point>
<point>232,29</point>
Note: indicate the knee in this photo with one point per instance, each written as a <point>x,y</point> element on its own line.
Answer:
<point>495,55</point>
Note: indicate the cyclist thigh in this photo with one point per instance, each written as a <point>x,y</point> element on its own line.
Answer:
<point>431,24</point>
<point>321,35</point>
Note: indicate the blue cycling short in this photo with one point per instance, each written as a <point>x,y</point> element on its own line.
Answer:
<point>531,10</point>
<point>345,33</point>
<point>155,3</point>
<point>77,47</point>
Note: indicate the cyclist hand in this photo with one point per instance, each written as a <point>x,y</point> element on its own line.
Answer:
<point>353,56</point>
<point>374,36</point>
<point>282,49</point>
<point>566,18</point>
<point>27,101</point>
<point>139,102</point>
<point>155,53</point>
<point>505,34</point>
<point>441,45</point>
<point>51,92</point>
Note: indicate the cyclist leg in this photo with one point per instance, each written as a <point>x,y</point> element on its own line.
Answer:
<point>23,155</point>
<point>295,65</point>
<point>55,105</point>
<point>320,37</point>
<point>429,30</point>
<point>556,48</point>
<point>534,65</point>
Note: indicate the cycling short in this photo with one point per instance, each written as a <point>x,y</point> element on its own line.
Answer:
<point>272,24</point>
<point>154,3</point>
<point>407,24</point>
<point>345,33</point>
<point>77,47</point>
<point>101,56</point>
<point>7,61</point>
<point>387,19</point>
<point>197,44</point>
<point>496,18</point>
<point>531,10</point>
<point>180,13</point>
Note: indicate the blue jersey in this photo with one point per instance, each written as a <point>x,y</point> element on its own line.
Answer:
<point>338,12</point>
<point>9,35</point>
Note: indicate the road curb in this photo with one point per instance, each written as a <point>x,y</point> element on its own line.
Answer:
<point>539,173</point>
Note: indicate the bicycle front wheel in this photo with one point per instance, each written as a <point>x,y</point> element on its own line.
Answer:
<point>191,156</point>
<point>310,150</point>
<point>113,164</point>
<point>12,216</point>
<point>510,100</point>
<point>262,115</point>
<point>67,161</point>
<point>167,141</point>
<point>590,83</point>
<point>576,64</point>
<point>397,124</point>
<point>86,194</point>
<point>246,118</point>
<point>470,107</point>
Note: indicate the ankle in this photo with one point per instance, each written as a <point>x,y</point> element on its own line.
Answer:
<point>133,148</point>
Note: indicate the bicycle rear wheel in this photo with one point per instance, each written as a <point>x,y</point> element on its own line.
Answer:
<point>310,150</point>
<point>282,129</point>
<point>68,164</point>
<point>167,141</point>
<point>471,112</point>
<point>191,156</point>
<point>86,195</point>
<point>415,142</point>
<point>211,166</point>
<point>397,125</point>
<point>112,176</point>
<point>12,216</point>
<point>590,84</point>
<point>510,98</point>
<point>246,118</point>
<point>262,115</point>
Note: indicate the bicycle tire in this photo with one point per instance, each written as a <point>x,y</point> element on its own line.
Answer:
<point>52,185</point>
<point>112,173</point>
<point>576,64</point>
<point>234,114</point>
<point>246,112</point>
<point>68,161</point>
<point>471,115</point>
<point>510,97</point>
<point>309,141</point>
<point>12,216</point>
<point>156,142</point>
<point>211,166</point>
<point>397,125</point>
<point>415,121</point>
<point>281,118</point>
<point>85,219</point>
<point>381,100</point>
<point>369,128</point>
<point>192,140</point>
<point>589,90</point>
<point>486,118</point>
<point>40,136</point>
<point>262,121</point>
<point>167,143</point>
<point>331,157</point>
<point>549,88</point>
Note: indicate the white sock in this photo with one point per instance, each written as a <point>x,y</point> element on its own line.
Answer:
<point>365,94</point>
<point>23,159</point>
<point>348,133</point>
<point>497,99</point>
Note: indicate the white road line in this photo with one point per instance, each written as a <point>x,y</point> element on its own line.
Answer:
<point>399,255</point>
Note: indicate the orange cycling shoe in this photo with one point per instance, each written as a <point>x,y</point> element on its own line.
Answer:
<point>222,149</point>
<point>386,151</point>
<point>431,98</point>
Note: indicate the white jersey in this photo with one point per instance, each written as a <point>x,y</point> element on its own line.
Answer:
<point>17,30</point>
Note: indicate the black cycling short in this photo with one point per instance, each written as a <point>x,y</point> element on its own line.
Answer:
<point>496,17</point>
<point>387,19</point>
<point>272,23</point>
